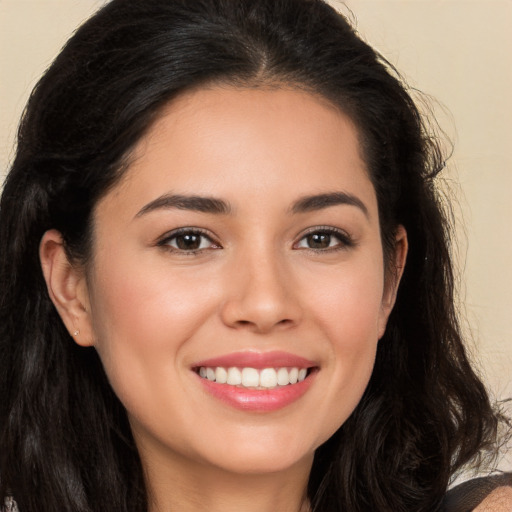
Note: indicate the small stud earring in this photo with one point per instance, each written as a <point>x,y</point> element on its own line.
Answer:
<point>76,333</point>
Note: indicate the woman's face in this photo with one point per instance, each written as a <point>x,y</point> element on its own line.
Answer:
<point>242,244</point>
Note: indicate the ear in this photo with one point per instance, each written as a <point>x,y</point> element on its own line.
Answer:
<point>393,277</point>
<point>67,287</point>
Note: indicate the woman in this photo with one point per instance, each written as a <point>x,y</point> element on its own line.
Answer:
<point>225,274</point>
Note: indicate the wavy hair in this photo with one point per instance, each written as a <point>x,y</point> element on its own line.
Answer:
<point>65,438</point>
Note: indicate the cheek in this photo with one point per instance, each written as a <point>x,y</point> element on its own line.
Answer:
<point>141,321</point>
<point>148,302</point>
<point>348,313</point>
<point>347,301</point>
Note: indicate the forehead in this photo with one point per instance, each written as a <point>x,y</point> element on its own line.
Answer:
<point>254,143</point>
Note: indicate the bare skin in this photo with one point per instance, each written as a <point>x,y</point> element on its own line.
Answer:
<point>271,188</point>
<point>500,500</point>
<point>217,490</point>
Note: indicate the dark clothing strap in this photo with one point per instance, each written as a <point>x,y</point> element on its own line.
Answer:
<point>467,496</point>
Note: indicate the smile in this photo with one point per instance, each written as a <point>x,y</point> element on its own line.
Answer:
<point>258,382</point>
<point>252,378</point>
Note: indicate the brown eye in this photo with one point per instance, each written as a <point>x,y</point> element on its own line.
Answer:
<point>188,241</point>
<point>325,239</point>
<point>319,240</point>
<point>191,242</point>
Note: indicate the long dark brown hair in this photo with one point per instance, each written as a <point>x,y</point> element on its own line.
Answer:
<point>65,439</point>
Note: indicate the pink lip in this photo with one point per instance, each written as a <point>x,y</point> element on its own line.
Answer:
<point>258,360</point>
<point>257,400</point>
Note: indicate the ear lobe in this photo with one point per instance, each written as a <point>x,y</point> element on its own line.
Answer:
<point>393,278</point>
<point>67,288</point>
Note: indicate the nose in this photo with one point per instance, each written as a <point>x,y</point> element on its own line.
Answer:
<point>261,295</point>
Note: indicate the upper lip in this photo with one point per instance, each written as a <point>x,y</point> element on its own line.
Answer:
<point>257,360</point>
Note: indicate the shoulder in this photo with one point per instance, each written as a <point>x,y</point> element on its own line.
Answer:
<point>499,500</point>
<point>485,494</point>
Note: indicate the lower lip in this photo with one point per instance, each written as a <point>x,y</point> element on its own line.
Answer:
<point>258,400</point>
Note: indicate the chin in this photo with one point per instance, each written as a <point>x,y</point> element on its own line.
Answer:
<point>261,456</point>
<point>263,463</point>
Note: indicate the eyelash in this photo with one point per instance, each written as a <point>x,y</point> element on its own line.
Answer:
<point>173,235</point>
<point>344,239</point>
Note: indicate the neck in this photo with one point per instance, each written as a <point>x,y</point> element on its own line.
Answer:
<point>189,487</point>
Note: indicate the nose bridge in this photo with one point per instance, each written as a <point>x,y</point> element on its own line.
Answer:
<point>261,290</point>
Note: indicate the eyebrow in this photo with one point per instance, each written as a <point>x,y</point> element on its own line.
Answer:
<point>321,201</point>
<point>181,202</point>
<point>220,207</point>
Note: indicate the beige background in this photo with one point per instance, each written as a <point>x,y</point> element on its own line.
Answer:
<point>459,52</point>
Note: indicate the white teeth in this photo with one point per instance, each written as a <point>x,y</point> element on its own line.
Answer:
<point>253,378</point>
<point>268,377</point>
<point>283,377</point>
<point>234,377</point>
<point>250,378</point>
<point>221,375</point>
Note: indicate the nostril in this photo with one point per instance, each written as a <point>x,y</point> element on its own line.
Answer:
<point>280,323</point>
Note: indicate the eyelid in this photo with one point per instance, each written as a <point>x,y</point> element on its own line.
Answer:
<point>164,240</point>
<point>346,240</point>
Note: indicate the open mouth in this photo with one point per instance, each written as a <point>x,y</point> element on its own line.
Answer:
<point>253,378</point>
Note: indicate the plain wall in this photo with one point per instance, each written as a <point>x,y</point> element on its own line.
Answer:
<point>456,51</point>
